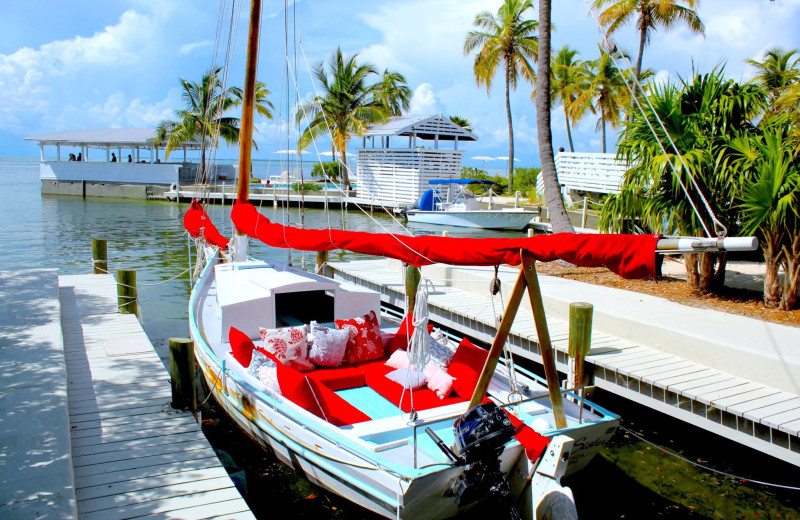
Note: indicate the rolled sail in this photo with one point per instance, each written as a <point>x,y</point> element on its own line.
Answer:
<point>630,256</point>
<point>198,223</point>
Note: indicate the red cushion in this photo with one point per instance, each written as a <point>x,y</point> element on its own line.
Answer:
<point>338,378</point>
<point>403,335</point>
<point>294,385</point>
<point>365,341</point>
<point>533,442</point>
<point>335,409</point>
<point>466,367</point>
<point>241,346</point>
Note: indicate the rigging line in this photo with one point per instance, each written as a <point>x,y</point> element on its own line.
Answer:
<point>707,468</point>
<point>719,227</point>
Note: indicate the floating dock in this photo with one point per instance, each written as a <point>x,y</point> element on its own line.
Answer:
<point>731,375</point>
<point>86,428</point>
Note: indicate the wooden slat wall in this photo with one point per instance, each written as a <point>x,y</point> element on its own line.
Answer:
<point>592,172</point>
<point>401,175</point>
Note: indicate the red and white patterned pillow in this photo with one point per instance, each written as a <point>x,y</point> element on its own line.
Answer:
<point>365,343</point>
<point>289,346</point>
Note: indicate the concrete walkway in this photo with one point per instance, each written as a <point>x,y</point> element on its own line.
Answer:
<point>34,423</point>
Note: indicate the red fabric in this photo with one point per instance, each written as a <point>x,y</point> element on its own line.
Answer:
<point>339,378</point>
<point>466,367</point>
<point>335,409</point>
<point>424,398</point>
<point>402,337</point>
<point>294,385</point>
<point>533,442</point>
<point>241,346</point>
<point>630,256</point>
<point>365,343</point>
<point>198,223</point>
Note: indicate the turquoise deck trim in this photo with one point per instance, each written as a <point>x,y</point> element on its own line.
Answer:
<point>370,402</point>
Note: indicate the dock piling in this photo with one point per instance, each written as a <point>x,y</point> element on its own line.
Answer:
<point>100,256</point>
<point>182,371</point>
<point>580,338</point>
<point>126,292</point>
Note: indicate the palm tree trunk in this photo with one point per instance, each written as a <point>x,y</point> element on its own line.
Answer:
<point>690,262</point>
<point>569,132</point>
<point>642,41</point>
<point>510,133</point>
<point>603,120</point>
<point>345,174</point>
<point>555,204</point>
<point>771,283</point>
<point>791,275</point>
<point>705,271</point>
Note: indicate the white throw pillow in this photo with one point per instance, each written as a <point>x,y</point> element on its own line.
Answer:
<point>329,345</point>
<point>398,359</point>
<point>408,378</point>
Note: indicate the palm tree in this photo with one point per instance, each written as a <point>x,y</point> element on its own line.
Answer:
<point>556,211</point>
<point>603,90</point>
<point>508,40</point>
<point>345,106</point>
<point>393,93</point>
<point>564,84</point>
<point>204,119</point>
<point>462,122</point>
<point>701,115</point>
<point>776,72</point>
<point>650,15</point>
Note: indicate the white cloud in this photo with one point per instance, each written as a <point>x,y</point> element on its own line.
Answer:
<point>186,48</point>
<point>424,101</point>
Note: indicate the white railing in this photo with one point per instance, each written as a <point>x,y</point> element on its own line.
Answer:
<point>587,172</point>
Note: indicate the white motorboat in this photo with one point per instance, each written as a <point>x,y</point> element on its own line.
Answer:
<point>462,208</point>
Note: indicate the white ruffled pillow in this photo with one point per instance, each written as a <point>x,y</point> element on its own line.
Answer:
<point>329,345</point>
<point>408,378</point>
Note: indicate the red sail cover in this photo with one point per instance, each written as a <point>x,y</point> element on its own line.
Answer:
<point>198,223</point>
<point>630,256</point>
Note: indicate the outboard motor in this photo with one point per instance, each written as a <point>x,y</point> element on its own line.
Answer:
<point>481,435</point>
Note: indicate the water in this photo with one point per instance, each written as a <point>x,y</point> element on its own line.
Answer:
<point>630,479</point>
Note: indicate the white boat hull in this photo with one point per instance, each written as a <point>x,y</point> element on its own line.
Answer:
<point>356,462</point>
<point>514,219</point>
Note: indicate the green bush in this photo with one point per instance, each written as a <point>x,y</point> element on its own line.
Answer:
<point>477,173</point>
<point>306,187</point>
<point>333,170</point>
<point>525,180</point>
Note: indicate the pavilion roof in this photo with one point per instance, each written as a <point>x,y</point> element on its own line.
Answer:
<point>100,138</point>
<point>424,127</point>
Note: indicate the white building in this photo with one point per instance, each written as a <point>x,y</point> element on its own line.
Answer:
<point>401,174</point>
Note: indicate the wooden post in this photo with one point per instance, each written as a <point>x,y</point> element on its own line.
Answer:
<point>126,292</point>
<point>322,257</point>
<point>580,337</point>
<point>100,256</point>
<point>182,373</point>
<point>412,283</point>
<point>548,359</point>
<point>583,215</point>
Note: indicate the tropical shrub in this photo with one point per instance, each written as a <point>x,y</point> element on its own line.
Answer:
<point>327,170</point>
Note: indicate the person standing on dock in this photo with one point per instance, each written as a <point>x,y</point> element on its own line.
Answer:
<point>113,157</point>
<point>130,159</point>
<point>80,156</point>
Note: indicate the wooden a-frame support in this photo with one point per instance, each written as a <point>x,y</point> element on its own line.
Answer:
<point>527,279</point>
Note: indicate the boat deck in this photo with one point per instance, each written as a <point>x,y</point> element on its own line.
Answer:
<point>86,428</point>
<point>648,358</point>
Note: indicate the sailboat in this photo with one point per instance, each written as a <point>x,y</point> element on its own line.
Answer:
<point>386,415</point>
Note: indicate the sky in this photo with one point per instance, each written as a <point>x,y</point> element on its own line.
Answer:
<point>100,64</point>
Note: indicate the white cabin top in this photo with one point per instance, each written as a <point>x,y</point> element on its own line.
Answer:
<point>432,128</point>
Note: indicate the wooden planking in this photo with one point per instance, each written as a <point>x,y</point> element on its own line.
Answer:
<point>129,457</point>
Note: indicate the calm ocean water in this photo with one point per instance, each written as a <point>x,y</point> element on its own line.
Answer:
<point>630,479</point>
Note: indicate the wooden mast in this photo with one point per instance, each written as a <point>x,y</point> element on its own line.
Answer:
<point>246,130</point>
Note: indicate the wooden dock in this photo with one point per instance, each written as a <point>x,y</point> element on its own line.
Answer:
<point>132,454</point>
<point>718,397</point>
<point>86,430</point>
